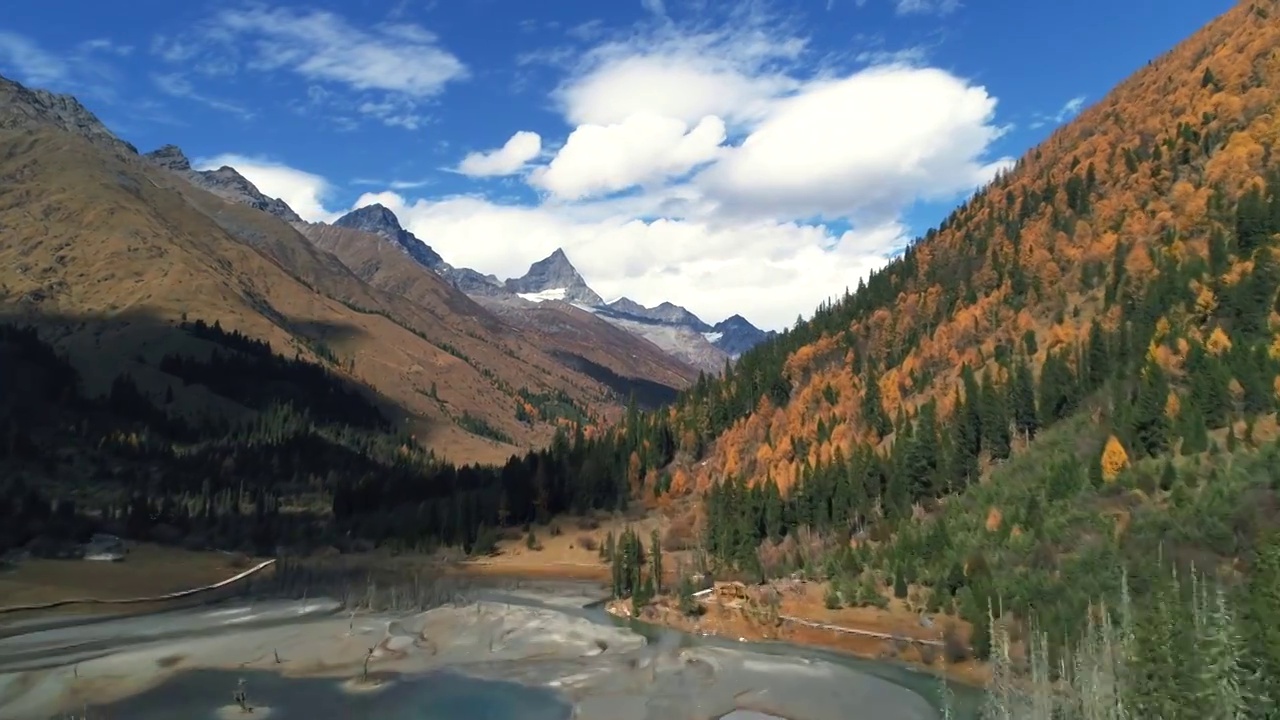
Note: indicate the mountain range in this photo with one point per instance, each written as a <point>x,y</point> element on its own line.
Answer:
<point>110,251</point>
<point>1054,412</point>
<point>553,279</point>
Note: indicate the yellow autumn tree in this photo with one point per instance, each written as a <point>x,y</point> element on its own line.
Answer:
<point>1114,459</point>
<point>1218,342</point>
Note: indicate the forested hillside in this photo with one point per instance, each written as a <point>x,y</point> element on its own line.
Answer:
<point>1070,382</point>
<point>317,465</point>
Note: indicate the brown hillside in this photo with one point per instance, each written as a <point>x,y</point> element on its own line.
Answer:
<point>114,252</point>
<point>1152,169</point>
<point>556,330</point>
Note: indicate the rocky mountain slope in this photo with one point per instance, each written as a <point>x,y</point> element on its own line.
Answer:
<point>671,327</point>
<point>554,284</point>
<point>371,242</point>
<point>109,251</point>
<point>225,182</point>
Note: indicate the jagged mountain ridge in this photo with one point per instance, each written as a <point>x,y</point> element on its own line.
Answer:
<point>668,325</point>
<point>224,182</point>
<point>554,279</point>
<point>672,328</point>
<point>125,247</point>
<point>380,221</point>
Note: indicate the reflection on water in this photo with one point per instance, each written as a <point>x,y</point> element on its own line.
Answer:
<point>749,715</point>
<point>431,696</point>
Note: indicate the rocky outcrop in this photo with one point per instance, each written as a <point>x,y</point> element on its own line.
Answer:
<point>378,220</point>
<point>552,274</point>
<point>22,107</point>
<point>225,182</point>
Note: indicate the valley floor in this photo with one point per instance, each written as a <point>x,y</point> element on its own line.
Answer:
<point>800,618</point>
<point>329,665</point>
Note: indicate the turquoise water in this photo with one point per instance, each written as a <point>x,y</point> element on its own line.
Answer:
<point>442,694</point>
<point>437,695</point>
<point>965,700</point>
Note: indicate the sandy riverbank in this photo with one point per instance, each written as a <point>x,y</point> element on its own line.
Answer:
<point>603,672</point>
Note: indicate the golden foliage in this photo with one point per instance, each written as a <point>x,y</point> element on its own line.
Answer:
<point>1145,205</point>
<point>1114,459</point>
<point>1218,342</point>
<point>994,518</point>
<point>1172,406</point>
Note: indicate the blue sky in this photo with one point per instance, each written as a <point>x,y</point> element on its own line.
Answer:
<point>753,157</point>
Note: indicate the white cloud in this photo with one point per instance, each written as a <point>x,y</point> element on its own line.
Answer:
<point>730,142</point>
<point>178,86</point>
<point>1068,110</point>
<point>654,7</point>
<point>926,7</point>
<point>305,192</point>
<point>107,46</point>
<point>870,143</point>
<point>600,159</point>
<point>22,57</point>
<point>767,271</point>
<point>731,75</point>
<point>85,69</point>
<point>393,113</point>
<point>400,58</point>
<point>509,159</point>
<point>388,70</point>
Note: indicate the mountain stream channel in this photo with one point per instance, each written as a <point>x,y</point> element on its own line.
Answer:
<point>541,650</point>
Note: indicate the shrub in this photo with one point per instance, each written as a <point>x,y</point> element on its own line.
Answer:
<point>954,647</point>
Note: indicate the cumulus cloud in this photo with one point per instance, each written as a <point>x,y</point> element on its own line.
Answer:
<point>730,74</point>
<point>305,192</point>
<point>870,143</point>
<point>695,162</point>
<point>600,159</point>
<point>506,160</point>
<point>767,271</point>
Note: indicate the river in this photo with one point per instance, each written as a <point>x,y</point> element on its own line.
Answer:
<point>539,652</point>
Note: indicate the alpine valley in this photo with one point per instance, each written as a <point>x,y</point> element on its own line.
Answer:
<point>1038,450</point>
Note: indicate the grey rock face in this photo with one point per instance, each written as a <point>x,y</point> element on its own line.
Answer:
<point>21,107</point>
<point>476,284</point>
<point>666,313</point>
<point>738,335</point>
<point>379,220</point>
<point>224,182</point>
<point>552,273</point>
<point>229,183</point>
<point>170,157</point>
